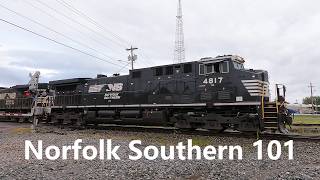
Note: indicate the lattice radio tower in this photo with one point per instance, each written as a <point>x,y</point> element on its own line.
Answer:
<point>179,51</point>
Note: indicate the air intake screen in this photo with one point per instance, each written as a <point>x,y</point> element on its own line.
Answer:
<point>224,95</point>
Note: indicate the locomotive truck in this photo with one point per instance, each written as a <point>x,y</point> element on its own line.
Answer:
<point>211,93</point>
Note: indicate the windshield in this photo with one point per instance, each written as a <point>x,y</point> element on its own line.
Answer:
<point>238,65</point>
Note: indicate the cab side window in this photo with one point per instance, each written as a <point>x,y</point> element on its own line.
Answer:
<point>209,68</point>
<point>201,69</point>
<point>218,67</point>
<point>225,67</point>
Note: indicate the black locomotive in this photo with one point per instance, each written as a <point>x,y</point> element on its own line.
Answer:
<point>212,93</point>
<point>16,102</point>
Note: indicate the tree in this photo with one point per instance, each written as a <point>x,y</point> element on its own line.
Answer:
<point>307,100</point>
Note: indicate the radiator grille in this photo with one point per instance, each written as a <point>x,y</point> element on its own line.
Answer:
<point>224,95</point>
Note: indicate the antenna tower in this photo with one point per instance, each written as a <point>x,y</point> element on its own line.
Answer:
<point>179,51</point>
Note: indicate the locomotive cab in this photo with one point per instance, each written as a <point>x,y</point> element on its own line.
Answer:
<point>229,81</point>
<point>247,85</point>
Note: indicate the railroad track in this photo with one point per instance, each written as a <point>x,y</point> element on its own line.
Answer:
<point>172,130</point>
<point>200,132</point>
<point>307,125</point>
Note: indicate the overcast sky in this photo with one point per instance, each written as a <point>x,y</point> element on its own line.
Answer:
<point>281,37</point>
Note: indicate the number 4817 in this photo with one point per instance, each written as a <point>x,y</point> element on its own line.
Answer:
<point>213,80</point>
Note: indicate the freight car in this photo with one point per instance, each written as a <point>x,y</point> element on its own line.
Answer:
<point>16,102</point>
<point>211,93</point>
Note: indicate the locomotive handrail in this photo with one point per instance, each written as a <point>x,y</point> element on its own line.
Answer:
<point>278,95</point>
<point>277,98</point>
<point>262,101</point>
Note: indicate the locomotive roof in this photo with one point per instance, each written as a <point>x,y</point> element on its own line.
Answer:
<point>235,58</point>
<point>24,86</point>
<point>20,86</point>
<point>69,81</point>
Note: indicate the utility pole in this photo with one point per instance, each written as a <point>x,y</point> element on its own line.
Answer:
<point>132,57</point>
<point>312,100</point>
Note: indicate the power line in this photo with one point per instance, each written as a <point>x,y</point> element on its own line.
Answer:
<point>148,60</point>
<point>91,20</point>
<point>57,42</point>
<point>69,6</point>
<point>77,22</point>
<point>66,24</point>
<point>122,68</point>
<point>50,29</point>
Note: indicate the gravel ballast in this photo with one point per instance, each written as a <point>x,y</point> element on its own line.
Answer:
<point>306,163</point>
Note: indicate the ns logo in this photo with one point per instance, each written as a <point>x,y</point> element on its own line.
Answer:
<point>114,87</point>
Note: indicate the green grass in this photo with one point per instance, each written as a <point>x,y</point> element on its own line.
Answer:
<point>201,141</point>
<point>308,131</point>
<point>21,130</point>
<point>306,119</point>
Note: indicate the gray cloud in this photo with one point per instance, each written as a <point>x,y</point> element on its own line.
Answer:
<point>279,36</point>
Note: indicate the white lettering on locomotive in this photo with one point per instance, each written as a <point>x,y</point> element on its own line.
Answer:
<point>95,88</point>
<point>109,87</point>
<point>112,91</point>
<point>212,81</point>
<point>114,87</point>
<point>112,96</point>
<point>9,102</point>
<point>8,96</point>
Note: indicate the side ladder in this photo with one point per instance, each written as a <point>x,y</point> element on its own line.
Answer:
<point>272,112</point>
<point>270,116</point>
